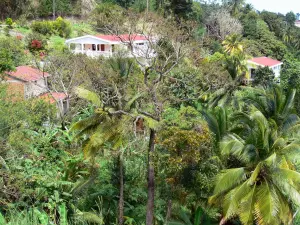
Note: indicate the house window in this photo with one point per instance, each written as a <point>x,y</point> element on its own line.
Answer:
<point>140,43</point>
<point>113,48</point>
<point>93,47</point>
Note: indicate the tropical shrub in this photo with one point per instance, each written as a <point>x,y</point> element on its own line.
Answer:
<point>59,26</point>
<point>36,43</point>
<point>42,27</point>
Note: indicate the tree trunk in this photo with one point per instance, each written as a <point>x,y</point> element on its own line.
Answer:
<point>169,210</point>
<point>53,8</point>
<point>121,194</point>
<point>147,3</point>
<point>151,177</point>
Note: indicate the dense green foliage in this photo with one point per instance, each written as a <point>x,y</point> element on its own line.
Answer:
<point>179,139</point>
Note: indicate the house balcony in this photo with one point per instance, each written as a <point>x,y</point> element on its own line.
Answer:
<point>91,53</point>
<point>136,53</point>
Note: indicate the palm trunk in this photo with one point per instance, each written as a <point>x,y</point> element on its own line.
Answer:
<point>222,222</point>
<point>121,194</point>
<point>151,180</point>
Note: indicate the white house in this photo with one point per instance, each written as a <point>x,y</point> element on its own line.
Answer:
<point>107,45</point>
<point>273,64</point>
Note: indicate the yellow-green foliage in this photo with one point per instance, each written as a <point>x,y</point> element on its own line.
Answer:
<point>186,141</point>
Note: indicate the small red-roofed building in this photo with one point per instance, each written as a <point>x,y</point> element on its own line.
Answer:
<point>257,62</point>
<point>27,82</point>
<point>135,45</point>
<point>59,98</point>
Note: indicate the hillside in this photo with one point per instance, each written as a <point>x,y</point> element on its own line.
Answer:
<point>148,112</point>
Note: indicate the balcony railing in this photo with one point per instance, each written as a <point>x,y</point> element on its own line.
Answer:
<point>136,53</point>
<point>93,53</point>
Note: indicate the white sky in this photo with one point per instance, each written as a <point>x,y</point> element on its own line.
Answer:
<point>282,6</point>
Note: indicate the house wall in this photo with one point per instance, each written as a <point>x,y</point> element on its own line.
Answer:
<point>35,88</point>
<point>90,47</point>
<point>16,90</point>
<point>275,69</point>
<point>142,49</point>
<point>107,48</point>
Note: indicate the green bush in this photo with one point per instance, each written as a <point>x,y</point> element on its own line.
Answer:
<point>62,27</point>
<point>23,22</point>
<point>59,26</point>
<point>9,22</point>
<point>43,27</point>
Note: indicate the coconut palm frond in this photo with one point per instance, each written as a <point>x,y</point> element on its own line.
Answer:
<point>217,121</point>
<point>232,144</point>
<point>89,96</point>
<point>229,179</point>
<point>267,205</point>
<point>233,198</point>
<point>247,207</point>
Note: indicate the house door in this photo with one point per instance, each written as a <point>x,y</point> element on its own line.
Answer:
<point>102,48</point>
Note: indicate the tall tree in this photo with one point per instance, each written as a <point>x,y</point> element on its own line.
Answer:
<point>156,60</point>
<point>290,18</point>
<point>106,126</point>
<point>236,6</point>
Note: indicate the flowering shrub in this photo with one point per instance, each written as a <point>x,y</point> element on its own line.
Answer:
<point>36,44</point>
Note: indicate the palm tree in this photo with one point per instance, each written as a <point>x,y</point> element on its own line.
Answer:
<point>106,126</point>
<point>261,185</point>
<point>235,57</point>
<point>235,62</point>
<point>288,35</point>
<point>273,104</point>
<point>232,44</point>
<point>236,6</point>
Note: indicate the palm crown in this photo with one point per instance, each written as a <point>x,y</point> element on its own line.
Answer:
<point>255,187</point>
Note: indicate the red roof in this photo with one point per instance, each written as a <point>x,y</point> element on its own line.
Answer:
<point>123,37</point>
<point>27,73</point>
<point>265,61</point>
<point>53,97</point>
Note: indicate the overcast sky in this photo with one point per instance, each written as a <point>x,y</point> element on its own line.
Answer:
<point>282,6</point>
